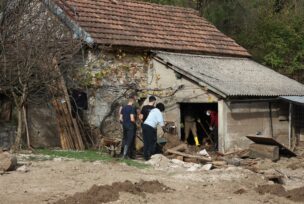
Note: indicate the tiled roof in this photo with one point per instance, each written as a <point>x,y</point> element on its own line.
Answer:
<point>232,76</point>
<point>150,26</point>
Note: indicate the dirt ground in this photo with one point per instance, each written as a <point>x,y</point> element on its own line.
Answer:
<point>56,180</point>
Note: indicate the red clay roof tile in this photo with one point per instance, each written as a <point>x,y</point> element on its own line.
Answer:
<point>147,25</point>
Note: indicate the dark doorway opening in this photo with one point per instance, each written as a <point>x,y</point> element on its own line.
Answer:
<point>202,120</point>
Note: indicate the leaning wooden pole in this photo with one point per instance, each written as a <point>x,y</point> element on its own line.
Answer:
<point>72,138</point>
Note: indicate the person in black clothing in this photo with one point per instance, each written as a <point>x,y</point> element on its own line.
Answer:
<point>147,108</point>
<point>127,118</point>
<point>79,102</point>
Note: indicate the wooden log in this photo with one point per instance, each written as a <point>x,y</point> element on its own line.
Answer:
<point>201,158</point>
<point>264,151</point>
<point>181,158</point>
<point>192,160</point>
<point>8,162</point>
<point>219,163</point>
<point>181,147</point>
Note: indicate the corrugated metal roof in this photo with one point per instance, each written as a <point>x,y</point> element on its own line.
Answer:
<point>232,76</point>
<point>294,99</point>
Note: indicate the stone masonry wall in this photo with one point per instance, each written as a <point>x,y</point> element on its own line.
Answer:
<point>109,77</point>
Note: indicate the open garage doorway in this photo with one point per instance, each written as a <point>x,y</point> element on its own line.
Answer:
<point>196,112</point>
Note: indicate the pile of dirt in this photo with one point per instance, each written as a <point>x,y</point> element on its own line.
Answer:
<point>109,193</point>
<point>296,194</point>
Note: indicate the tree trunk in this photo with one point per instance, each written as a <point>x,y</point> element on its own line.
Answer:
<point>26,127</point>
<point>17,144</point>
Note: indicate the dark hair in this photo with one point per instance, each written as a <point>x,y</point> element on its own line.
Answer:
<point>161,107</point>
<point>152,98</point>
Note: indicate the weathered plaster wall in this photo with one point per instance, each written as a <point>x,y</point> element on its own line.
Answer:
<point>176,91</point>
<point>249,118</point>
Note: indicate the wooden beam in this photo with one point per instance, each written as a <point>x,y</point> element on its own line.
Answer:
<point>201,158</point>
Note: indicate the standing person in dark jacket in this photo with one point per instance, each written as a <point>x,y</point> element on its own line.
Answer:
<point>137,111</point>
<point>127,118</point>
<point>149,127</point>
<point>147,108</point>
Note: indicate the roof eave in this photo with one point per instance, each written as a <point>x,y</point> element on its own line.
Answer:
<point>190,76</point>
<point>78,32</point>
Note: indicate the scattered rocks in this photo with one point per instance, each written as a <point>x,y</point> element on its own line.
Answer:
<point>161,162</point>
<point>207,167</point>
<point>58,159</point>
<point>22,169</point>
<point>296,194</point>
<point>240,191</point>
<point>233,161</point>
<point>8,162</point>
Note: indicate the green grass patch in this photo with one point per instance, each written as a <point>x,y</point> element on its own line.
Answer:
<point>89,155</point>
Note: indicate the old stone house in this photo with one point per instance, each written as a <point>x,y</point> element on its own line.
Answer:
<point>180,57</point>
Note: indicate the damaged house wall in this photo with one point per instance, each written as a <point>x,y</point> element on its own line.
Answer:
<point>176,90</point>
<point>243,119</point>
<point>236,120</point>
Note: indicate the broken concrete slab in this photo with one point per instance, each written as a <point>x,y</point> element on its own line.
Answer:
<point>264,151</point>
<point>270,141</point>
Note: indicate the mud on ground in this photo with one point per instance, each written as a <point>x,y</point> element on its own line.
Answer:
<point>59,180</point>
<point>109,193</point>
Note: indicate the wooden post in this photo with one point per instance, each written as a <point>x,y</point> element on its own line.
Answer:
<point>290,125</point>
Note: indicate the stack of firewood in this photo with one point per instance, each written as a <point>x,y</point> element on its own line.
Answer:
<point>71,137</point>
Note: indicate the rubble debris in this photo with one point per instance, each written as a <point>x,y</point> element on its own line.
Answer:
<point>23,169</point>
<point>160,162</point>
<point>273,175</point>
<point>207,167</point>
<point>219,164</point>
<point>240,191</point>
<point>111,144</point>
<point>296,194</point>
<point>233,161</point>
<point>110,193</point>
<point>200,158</point>
<point>204,153</point>
<point>8,162</point>
<point>264,151</point>
<point>180,150</point>
<point>270,141</point>
<point>172,141</point>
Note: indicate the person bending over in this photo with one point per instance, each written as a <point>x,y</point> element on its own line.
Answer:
<point>149,128</point>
